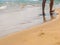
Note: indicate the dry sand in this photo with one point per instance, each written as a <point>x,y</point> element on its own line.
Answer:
<point>45,34</point>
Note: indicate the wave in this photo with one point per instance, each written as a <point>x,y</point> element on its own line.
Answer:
<point>3,7</point>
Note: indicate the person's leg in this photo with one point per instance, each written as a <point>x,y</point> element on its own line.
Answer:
<point>43,8</point>
<point>51,5</point>
<point>51,8</point>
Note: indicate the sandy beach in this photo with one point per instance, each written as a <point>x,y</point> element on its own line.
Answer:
<point>45,34</point>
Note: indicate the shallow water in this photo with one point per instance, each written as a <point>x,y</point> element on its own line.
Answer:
<point>14,18</point>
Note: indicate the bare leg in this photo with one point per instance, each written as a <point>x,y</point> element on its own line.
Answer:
<point>51,8</point>
<point>51,5</point>
<point>43,8</point>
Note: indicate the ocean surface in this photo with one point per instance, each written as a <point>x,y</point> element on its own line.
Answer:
<point>26,1</point>
<point>16,3</point>
<point>16,15</point>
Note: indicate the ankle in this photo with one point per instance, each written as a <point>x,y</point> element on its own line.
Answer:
<point>52,10</point>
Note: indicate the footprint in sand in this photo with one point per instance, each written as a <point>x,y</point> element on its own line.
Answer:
<point>57,43</point>
<point>41,34</point>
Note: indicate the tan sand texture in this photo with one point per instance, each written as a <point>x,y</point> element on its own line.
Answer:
<point>45,34</point>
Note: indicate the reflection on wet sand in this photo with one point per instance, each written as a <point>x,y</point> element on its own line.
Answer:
<point>51,15</point>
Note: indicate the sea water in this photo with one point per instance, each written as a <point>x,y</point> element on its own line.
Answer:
<point>13,18</point>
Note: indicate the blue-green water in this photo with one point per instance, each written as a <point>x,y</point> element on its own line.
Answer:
<point>27,1</point>
<point>12,3</point>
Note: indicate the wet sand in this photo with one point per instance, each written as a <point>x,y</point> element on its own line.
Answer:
<point>45,34</point>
